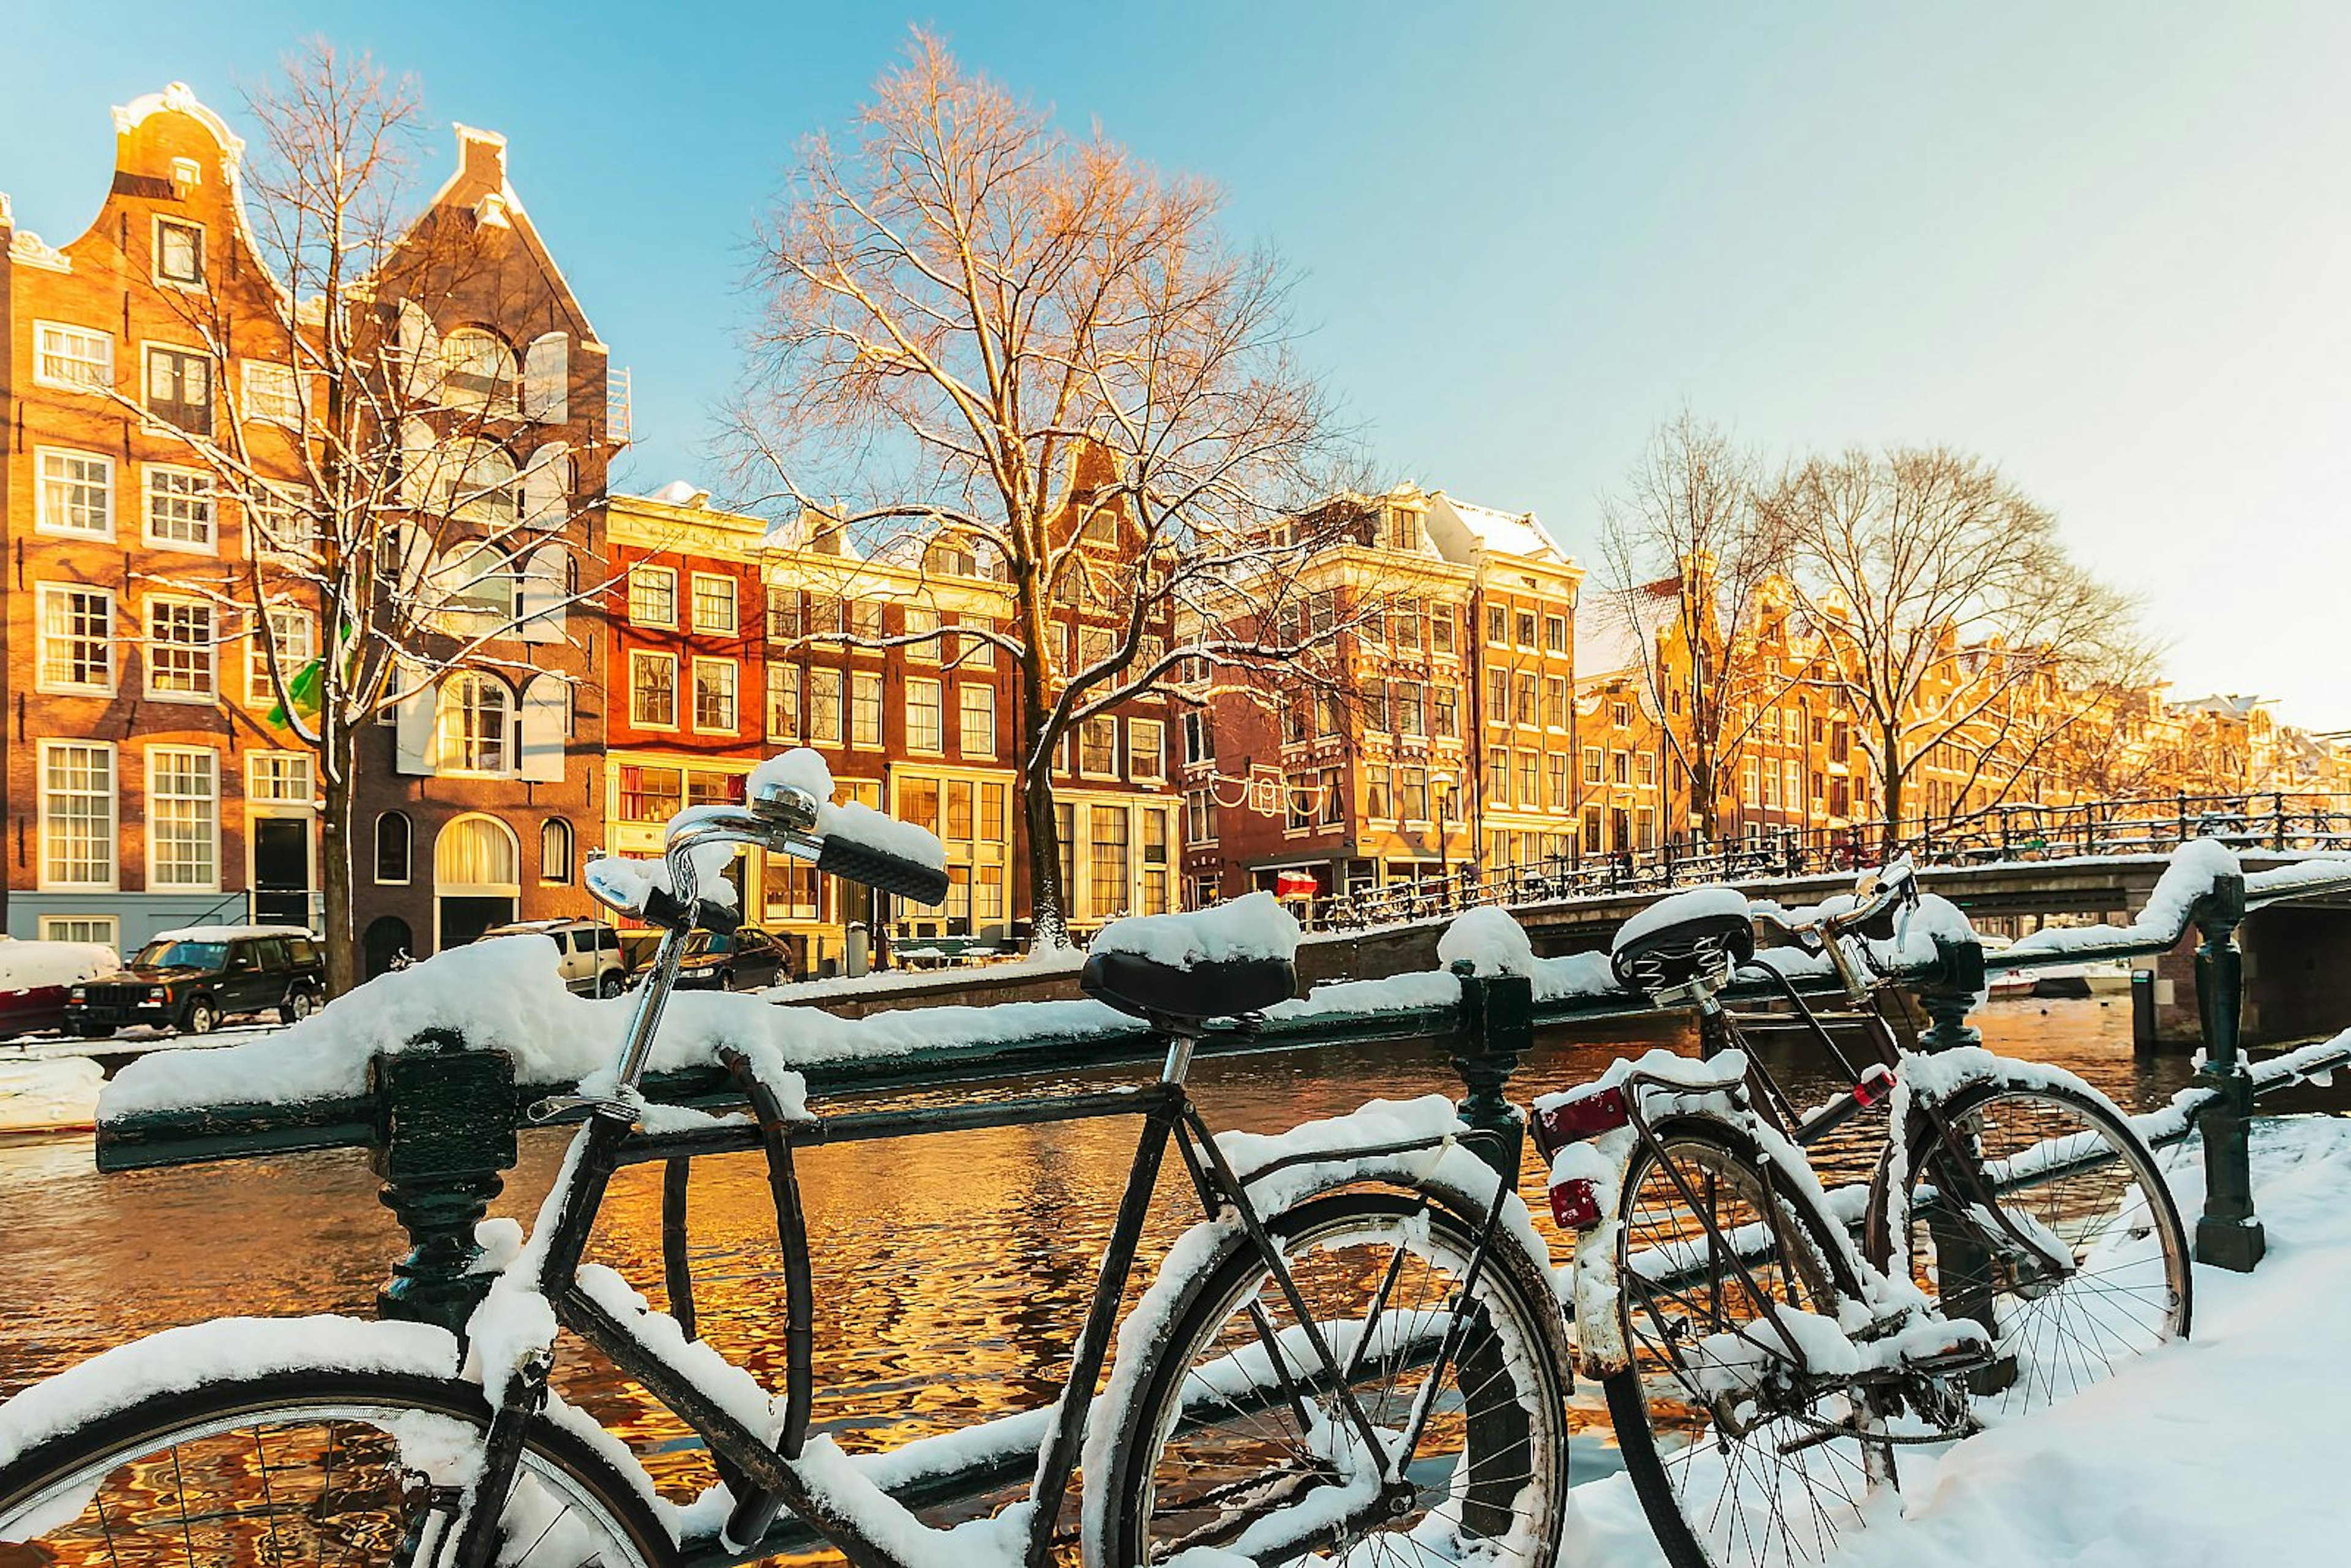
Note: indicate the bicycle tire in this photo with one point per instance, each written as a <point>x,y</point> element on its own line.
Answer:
<point>1505,1491</point>
<point>1697,1481</point>
<point>212,1432</point>
<point>2136,1289</point>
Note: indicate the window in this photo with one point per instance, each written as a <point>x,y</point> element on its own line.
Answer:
<point>866,619</point>
<point>290,632</point>
<point>1591,829</point>
<point>1620,714</point>
<point>714,697</point>
<point>478,372</point>
<point>1620,768</point>
<point>76,494</point>
<point>977,651</point>
<point>78,846</point>
<point>1198,746</point>
<point>1526,628</point>
<point>473,590</point>
<point>653,689</point>
<point>1792,785</point>
<point>784,618</point>
<point>179,252</point>
<point>474,724</point>
<point>1298,795</point>
<point>1378,804</point>
<point>1555,772</point>
<point>783,702</point>
<point>1530,780</point>
<point>1498,624</point>
<point>73,357</point>
<point>1101,528</point>
<point>1410,714</point>
<point>278,777</point>
<point>179,508</point>
<point>1555,634</point>
<point>101,930</point>
<point>714,603</point>
<point>925,720</point>
<point>1096,645</point>
<point>183,817</point>
<point>180,651</point>
<point>651,794</point>
<point>1107,881</point>
<point>1157,876</point>
<point>1498,696</point>
<point>1375,706</point>
<point>865,710</point>
<point>1527,714</point>
<point>1592,765</point>
<point>1412,794</point>
<point>653,596</point>
<point>76,639</point>
<point>1334,799</point>
<point>1556,702</point>
<point>1098,747</point>
<point>270,392</point>
<point>281,522</point>
<point>976,720</point>
<point>554,850</point>
<point>1200,817</point>
<point>824,708</point>
<point>1444,715</point>
<point>179,389</point>
<point>1404,628</point>
<point>1498,776</point>
<point>921,623</point>
<point>1440,630</point>
<point>1647,768</point>
<point>1147,749</point>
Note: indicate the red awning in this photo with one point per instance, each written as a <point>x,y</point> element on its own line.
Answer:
<point>1295,884</point>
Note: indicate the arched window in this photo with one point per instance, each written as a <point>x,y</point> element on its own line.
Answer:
<point>473,724</point>
<point>475,481</point>
<point>555,850</point>
<point>391,843</point>
<point>476,856</point>
<point>479,372</point>
<point>474,589</point>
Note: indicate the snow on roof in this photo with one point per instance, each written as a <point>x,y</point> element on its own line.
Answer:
<point>681,493</point>
<point>1460,529</point>
<point>227,933</point>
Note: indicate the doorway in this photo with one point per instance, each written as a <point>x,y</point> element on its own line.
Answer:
<point>281,871</point>
<point>386,942</point>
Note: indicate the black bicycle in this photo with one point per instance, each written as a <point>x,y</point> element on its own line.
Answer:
<point>1357,1356</point>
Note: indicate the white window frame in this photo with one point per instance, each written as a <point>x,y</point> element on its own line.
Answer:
<point>925,653</point>
<point>964,691</point>
<point>105,930</point>
<point>155,254</point>
<point>734,693</point>
<point>648,571</point>
<point>256,658</point>
<point>867,681</point>
<point>812,705</point>
<point>156,754</point>
<point>782,675</point>
<point>42,521</point>
<point>676,697</point>
<point>259,765</point>
<point>154,421</point>
<point>113,830</point>
<point>1078,735</point>
<point>1157,749</point>
<point>251,394</point>
<point>43,330</point>
<point>148,473</point>
<point>935,743</point>
<point>147,643</point>
<point>42,593</point>
<point>733,618</point>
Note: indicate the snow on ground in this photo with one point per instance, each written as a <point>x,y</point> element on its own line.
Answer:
<point>2223,1452</point>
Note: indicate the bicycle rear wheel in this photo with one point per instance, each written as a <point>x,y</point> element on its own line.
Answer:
<point>2065,1166</point>
<point>1233,1437</point>
<point>319,1467</point>
<point>1736,1461</point>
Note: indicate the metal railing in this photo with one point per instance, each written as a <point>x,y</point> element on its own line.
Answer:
<point>2279,822</point>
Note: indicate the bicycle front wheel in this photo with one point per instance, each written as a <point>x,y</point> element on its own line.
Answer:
<point>313,1467</point>
<point>1738,1458</point>
<point>1234,1436</point>
<point>2065,1171</point>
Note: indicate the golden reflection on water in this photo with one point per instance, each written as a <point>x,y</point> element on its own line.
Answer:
<point>950,1270</point>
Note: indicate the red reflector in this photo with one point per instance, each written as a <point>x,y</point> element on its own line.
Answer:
<point>1574,1205</point>
<point>1875,1085</point>
<point>1586,1116</point>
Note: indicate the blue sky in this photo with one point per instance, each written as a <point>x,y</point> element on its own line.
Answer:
<point>2106,245</point>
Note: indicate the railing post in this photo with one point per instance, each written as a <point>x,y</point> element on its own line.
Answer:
<point>1953,995</point>
<point>2277,821</point>
<point>444,1137</point>
<point>2228,1234</point>
<point>1497,1027</point>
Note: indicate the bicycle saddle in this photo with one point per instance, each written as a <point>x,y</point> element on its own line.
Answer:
<point>1706,931</point>
<point>1211,989</point>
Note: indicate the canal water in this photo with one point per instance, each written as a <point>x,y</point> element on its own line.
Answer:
<point>950,1270</point>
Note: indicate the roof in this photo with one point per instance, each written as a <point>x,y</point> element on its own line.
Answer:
<point>1608,639</point>
<point>1460,529</point>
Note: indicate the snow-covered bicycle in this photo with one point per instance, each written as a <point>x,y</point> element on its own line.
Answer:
<point>1763,1369</point>
<point>1357,1355</point>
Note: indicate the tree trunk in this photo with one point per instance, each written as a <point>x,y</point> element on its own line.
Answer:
<point>335,860</point>
<point>1705,799</point>
<point>1890,794</point>
<point>1047,908</point>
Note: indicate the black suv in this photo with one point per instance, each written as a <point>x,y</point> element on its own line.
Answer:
<point>191,979</point>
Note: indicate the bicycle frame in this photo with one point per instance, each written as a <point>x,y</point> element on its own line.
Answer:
<point>768,1477</point>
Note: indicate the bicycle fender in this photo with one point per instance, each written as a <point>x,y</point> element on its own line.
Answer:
<point>1601,1351</point>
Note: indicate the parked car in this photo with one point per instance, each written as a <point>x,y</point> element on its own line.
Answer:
<point>191,979</point>
<point>747,960</point>
<point>35,976</point>
<point>587,952</point>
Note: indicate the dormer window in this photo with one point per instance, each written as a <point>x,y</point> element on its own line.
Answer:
<point>179,252</point>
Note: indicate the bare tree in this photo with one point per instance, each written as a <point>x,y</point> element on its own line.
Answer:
<point>397,496</point>
<point>1030,352</point>
<point>1688,561</point>
<point>1949,614</point>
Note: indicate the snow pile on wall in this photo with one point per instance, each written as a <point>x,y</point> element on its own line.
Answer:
<point>2196,866</point>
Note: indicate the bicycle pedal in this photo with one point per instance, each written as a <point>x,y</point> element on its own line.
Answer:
<point>1959,1362</point>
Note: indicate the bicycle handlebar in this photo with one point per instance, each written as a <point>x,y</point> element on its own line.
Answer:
<point>785,820</point>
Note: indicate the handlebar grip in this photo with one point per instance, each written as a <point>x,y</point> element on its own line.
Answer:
<point>879,869</point>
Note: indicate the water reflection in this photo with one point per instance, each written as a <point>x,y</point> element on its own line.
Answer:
<point>950,1270</point>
